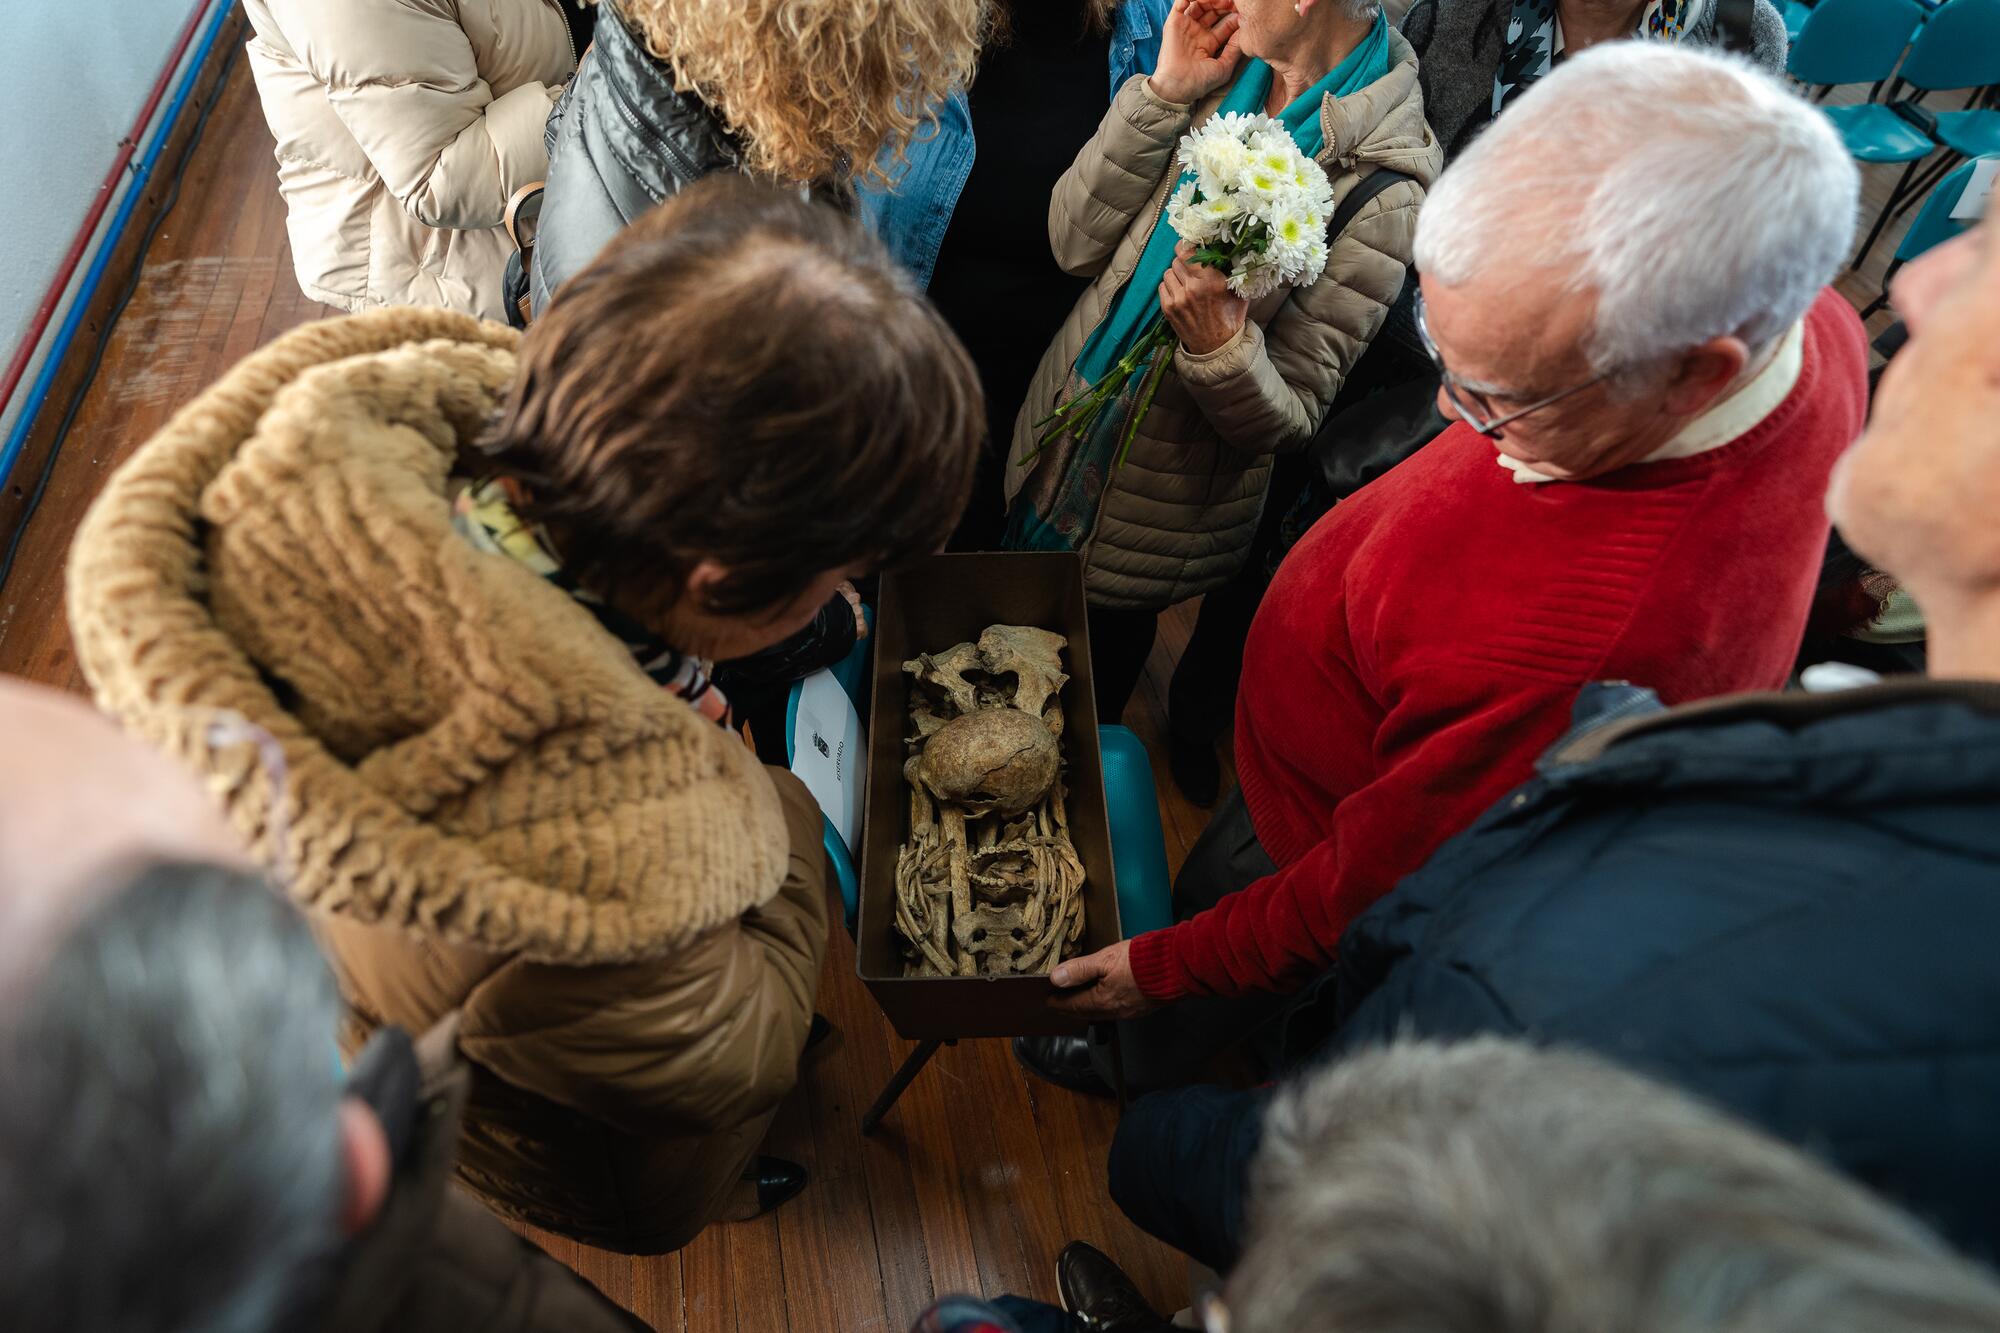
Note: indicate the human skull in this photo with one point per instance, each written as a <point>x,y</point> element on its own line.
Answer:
<point>995,759</point>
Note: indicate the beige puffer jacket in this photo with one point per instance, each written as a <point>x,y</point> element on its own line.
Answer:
<point>403,126</point>
<point>487,807</point>
<point>1177,519</point>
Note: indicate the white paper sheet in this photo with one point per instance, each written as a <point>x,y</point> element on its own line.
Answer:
<point>829,755</point>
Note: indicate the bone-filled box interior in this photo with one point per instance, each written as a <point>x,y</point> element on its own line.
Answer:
<point>986,851</point>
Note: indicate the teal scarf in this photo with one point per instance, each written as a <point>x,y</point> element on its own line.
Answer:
<point>1139,303</point>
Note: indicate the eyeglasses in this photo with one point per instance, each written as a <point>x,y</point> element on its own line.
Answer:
<point>1469,403</point>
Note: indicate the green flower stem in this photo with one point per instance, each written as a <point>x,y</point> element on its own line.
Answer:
<point>1077,416</point>
<point>1163,358</point>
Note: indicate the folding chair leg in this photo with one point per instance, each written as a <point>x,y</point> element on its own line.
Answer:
<point>1881,302</point>
<point>1883,220</point>
<point>1928,181</point>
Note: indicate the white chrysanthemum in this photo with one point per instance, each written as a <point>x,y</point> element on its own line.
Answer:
<point>1291,232</point>
<point>1263,189</point>
<point>1188,219</point>
<point>1219,161</point>
<point>1254,277</point>
<point>1221,210</point>
<point>1315,263</point>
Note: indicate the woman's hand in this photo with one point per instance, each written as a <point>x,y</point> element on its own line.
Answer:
<point>1103,984</point>
<point>1199,305</point>
<point>853,600</point>
<point>1198,51</point>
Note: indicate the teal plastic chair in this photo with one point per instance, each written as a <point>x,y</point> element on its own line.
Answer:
<point>852,673</point>
<point>1957,51</point>
<point>1862,41</point>
<point>1932,227</point>
<point>1138,844</point>
<point>1796,13</point>
<point>1852,41</point>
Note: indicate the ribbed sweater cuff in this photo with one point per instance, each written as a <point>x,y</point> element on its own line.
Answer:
<point>1156,968</point>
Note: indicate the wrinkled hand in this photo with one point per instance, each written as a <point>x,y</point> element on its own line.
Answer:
<point>1198,51</point>
<point>1199,305</point>
<point>1102,986</point>
<point>853,599</point>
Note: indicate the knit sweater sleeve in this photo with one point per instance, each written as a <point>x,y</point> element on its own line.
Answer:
<point>1456,740</point>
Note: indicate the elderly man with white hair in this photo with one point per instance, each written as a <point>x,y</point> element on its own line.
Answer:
<point>1624,287</point>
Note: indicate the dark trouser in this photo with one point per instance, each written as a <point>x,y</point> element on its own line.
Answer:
<point>1120,643</point>
<point>1180,1168</point>
<point>1175,1045</point>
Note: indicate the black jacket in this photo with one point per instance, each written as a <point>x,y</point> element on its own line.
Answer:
<point>1788,904</point>
<point>435,1261</point>
<point>621,140</point>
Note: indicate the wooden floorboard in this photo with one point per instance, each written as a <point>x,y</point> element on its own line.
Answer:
<point>975,1179</point>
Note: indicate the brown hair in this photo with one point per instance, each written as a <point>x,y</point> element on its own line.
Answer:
<point>745,376</point>
<point>815,89</point>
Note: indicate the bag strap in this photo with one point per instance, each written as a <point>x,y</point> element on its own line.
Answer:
<point>1736,26</point>
<point>1357,198</point>
<point>511,219</point>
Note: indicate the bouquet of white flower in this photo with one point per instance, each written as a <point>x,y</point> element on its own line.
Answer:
<point>1255,207</point>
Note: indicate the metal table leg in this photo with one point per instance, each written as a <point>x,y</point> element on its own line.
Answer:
<point>901,1080</point>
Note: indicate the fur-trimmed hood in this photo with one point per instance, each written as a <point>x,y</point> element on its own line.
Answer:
<point>467,754</point>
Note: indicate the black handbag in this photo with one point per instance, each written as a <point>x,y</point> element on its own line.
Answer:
<point>1385,411</point>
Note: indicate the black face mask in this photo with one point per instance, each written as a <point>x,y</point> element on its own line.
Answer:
<point>387,1077</point>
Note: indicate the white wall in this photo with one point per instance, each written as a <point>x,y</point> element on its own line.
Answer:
<point>72,77</point>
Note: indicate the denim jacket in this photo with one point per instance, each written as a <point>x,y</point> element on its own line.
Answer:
<point>911,215</point>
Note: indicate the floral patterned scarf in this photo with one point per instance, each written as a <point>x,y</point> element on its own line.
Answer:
<point>487,515</point>
<point>1534,39</point>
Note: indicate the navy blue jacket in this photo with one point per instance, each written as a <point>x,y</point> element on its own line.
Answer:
<point>1786,904</point>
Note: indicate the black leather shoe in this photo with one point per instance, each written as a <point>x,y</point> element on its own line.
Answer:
<point>777,1181</point>
<point>1063,1061</point>
<point>1197,772</point>
<point>820,1030</point>
<point>1099,1294</point>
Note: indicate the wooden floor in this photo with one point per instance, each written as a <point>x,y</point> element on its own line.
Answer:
<point>981,1174</point>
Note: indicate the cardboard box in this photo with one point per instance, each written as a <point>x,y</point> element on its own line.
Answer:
<point>951,599</point>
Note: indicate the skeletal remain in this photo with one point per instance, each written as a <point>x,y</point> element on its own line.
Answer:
<point>944,674</point>
<point>988,882</point>
<point>1034,658</point>
<point>995,759</point>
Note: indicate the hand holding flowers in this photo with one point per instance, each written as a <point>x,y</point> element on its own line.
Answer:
<point>1251,212</point>
<point>1198,305</point>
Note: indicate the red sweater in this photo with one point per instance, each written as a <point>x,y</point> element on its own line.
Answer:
<point>1424,644</point>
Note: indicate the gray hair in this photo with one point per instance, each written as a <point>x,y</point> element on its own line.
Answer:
<point>169,1136</point>
<point>1490,1187</point>
<point>1696,196</point>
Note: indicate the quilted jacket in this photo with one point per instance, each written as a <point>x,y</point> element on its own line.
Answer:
<point>1177,519</point>
<point>403,127</point>
<point>622,140</point>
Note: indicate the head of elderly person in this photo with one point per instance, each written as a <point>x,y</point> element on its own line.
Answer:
<point>1624,249</point>
<point>1918,494</point>
<point>1490,1187</point>
<point>176,1152</point>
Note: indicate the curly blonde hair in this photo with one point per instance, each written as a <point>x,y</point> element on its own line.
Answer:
<point>815,88</point>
